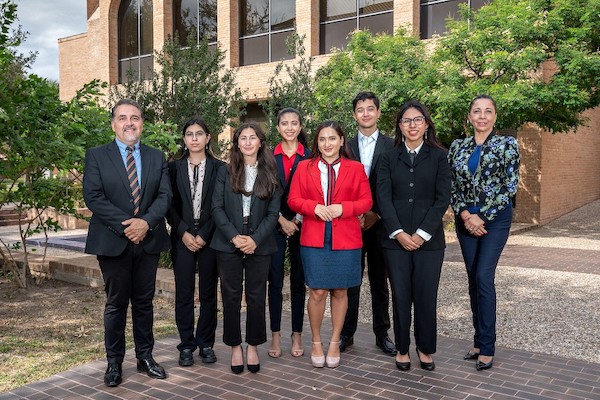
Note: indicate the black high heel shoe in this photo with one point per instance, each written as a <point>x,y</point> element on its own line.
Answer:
<point>403,365</point>
<point>480,366</point>
<point>254,368</point>
<point>427,366</point>
<point>471,355</point>
<point>238,369</point>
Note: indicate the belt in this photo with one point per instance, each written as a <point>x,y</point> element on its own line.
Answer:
<point>245,220</point>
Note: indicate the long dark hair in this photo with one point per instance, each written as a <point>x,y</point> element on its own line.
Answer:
<point>266,179</point>
<point>195,121</point>
<point>302,137</point>
<point>431,139</point>
<point>316,153</point>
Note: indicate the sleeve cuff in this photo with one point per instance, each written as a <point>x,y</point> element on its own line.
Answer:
<point>426,236</point>
<point>397,231</point>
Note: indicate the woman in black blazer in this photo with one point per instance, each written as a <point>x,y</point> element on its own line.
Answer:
<point>413,193</point>
<point>292,149</point>
<point>245,209</point>
<point>192,180</point>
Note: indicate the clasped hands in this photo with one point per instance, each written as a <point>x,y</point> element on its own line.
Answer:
<point>136,229</point>
<point>328,213</point>
<point>193,243</point>
<point>409,242</point>
<point>244,243</point>
<point>288,228</point>
<point>473,223</point>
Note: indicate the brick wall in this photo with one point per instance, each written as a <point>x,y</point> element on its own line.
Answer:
<point>570,169</point>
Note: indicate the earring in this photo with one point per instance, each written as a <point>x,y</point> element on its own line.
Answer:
<point>403,139</point>
<point>426,133</point>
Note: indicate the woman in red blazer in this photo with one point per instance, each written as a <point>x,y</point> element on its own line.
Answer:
<point>330,191</point>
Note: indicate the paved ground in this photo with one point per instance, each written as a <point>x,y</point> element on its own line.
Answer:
<point>548,326</point>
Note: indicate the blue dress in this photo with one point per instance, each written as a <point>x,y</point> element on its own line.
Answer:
<point>325,268</point>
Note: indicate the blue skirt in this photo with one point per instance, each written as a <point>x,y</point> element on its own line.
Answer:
<point>325,268</point>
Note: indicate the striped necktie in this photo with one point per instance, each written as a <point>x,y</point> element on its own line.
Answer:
<point>133,180</point>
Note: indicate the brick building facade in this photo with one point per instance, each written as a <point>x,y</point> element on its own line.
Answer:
<point>560,172</point>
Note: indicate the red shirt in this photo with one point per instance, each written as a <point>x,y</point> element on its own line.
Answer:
<point>288,162</point>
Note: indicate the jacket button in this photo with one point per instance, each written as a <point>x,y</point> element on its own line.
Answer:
<point>412,170</point>
<point>410,200</point>
<point>411,184</point>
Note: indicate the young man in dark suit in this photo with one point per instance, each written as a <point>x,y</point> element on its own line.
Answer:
<point>126,186</point>
<point>367,146</point>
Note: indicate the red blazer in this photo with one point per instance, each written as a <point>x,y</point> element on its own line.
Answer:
<point>352,191</point>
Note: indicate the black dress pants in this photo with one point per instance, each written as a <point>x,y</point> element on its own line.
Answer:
<point>380,297</point>
<point>414,278</point>
<point>250,273</point>
<point>130,276</point>
<point>184,269</point>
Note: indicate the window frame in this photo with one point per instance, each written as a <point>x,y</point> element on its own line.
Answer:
<point>268,34</point>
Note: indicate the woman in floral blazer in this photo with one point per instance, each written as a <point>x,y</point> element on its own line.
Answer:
<point>485,175</point>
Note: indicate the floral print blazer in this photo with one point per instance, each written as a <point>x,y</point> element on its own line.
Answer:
<point>495,180</point>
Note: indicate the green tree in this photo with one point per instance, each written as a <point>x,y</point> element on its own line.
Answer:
<point>190,81</point>
<point>291,85</point>
<point>395,68</point>
<point>538,58</point>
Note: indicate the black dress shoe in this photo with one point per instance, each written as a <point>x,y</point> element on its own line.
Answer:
<point>151,368</point>
<point>427,366</point>
<point>237,369</point>
<point>471,355</point>
<point>403,366</point>
<point>346,342</point>
<point>480,366</point>
<point>254,368</point>
<point>386,344</point>
<point>208,355</point>
<point>186,358</point>
<point>113,375</point>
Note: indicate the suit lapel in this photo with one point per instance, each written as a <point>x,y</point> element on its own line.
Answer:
<point>280,170</point>
<point>315,175</point>
<point>379,148</point>
<point>183,180</point>
<point>423,154</point>
<point>341,176</point>
<point>353,143</point>
<point>144,161</point>
<point>115,157</point>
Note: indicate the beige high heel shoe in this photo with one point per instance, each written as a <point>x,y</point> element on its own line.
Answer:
<point>317,361</point>
<point>297,351</point>
<point>333,362</point>
<point>275,350</point>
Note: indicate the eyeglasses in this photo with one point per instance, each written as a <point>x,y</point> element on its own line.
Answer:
<point>417,120</point>
<point>194,135</point>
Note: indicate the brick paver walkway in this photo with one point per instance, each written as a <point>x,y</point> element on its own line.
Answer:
<point>364,373</point>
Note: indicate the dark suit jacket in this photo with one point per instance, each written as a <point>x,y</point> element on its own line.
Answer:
<point>181,212</point>
<point>227,213</point>
<point>107,194</point>
<point>383,145</point>
<point>285,208</point>
<point>413,197</point>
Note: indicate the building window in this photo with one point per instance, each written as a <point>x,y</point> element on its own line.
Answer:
<point>264,27</point>
<point>197,18</point>
<point>340,17</point>
<point>434,14</point>
<point>135,40</point>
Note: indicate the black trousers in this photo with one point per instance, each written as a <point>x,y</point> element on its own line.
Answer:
<point>380,296</point>
<point>250,273</point>
<point>414,278</point>
<point>129,277</point>
<point>184,269</point>
<point>276,277</point>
